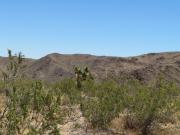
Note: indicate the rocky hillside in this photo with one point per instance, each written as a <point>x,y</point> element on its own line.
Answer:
<point>145,67</point>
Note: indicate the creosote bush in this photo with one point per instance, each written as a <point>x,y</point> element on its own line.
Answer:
<point>103,106</point>
<point>150,104</point>
<point>144,105</point>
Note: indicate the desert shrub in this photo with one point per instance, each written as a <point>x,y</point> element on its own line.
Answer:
<point>89,88</point>
<point>100,103</point>
<point>68,88</point>
<point>26,99</point>
<point>145,105</point>
<point>104,101</point>
<point>151,104</point>
<point>104,106</point>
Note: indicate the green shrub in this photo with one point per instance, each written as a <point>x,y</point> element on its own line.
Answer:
<point>150,104</point>
<point>68,87</point>
<point>104,106</point>
<point>144,104</point>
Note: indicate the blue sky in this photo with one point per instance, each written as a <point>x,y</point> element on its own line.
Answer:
<point>100,27</point>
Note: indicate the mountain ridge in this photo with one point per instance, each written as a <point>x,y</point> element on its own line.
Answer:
<point>144,67</point>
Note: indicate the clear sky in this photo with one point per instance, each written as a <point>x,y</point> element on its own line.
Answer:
<point>100,27</point>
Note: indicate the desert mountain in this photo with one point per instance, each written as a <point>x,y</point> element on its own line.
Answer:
<point>144,68</point>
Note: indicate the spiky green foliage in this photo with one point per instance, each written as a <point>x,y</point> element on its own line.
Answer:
<point>82,75</point>
<point>14,67</point>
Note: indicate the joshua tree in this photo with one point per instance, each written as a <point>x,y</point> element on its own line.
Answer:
<point>82,75</point>
<point>78,74</point>
<point>14,67</point>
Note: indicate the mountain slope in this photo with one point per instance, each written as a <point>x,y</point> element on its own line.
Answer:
<point>145,67</point>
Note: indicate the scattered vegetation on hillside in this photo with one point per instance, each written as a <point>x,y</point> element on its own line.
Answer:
<point>36,107</point>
